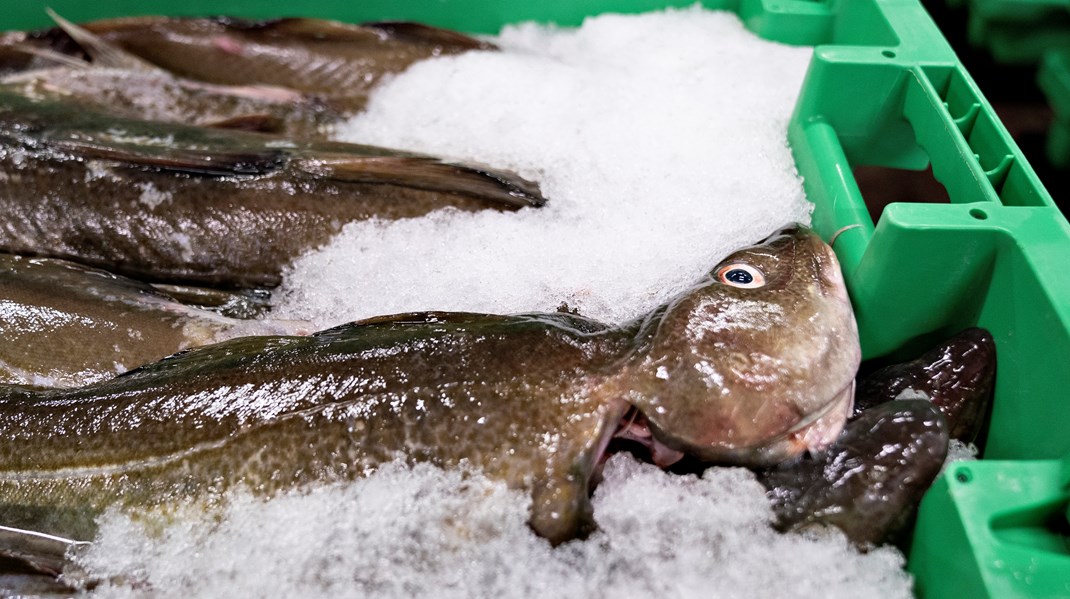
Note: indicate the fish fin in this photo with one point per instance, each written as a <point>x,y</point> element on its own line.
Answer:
<point>102,52</point>
<point>561,509</point>
<point>213,162</point>
<point>261,123</point>
<point>38,552</point>
<point>59,58</point>
<point>431,174</point>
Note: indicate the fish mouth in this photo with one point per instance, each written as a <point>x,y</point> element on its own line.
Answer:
<point>813,433</point>
<point>633,431</point>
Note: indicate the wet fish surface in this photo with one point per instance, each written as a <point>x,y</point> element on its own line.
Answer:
<point>66,325</point>
<point>958,376</point>
<point>332,60</point>
<point>871,480</point>
<point>158,96</point>
<point>171,203</point>
<point>753,365</point>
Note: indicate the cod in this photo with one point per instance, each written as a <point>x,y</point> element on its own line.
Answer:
<point>751,366</point>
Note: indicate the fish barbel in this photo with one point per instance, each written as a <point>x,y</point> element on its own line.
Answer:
<point>751,366</point>
<point>169,202</point>
<point>66,325</point>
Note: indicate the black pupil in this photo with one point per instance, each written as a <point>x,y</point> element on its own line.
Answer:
<point>738,275</point>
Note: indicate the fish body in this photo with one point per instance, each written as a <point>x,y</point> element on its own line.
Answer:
<point>328,59</point>
<point>66,325</point>
<point>510,395</point>
<point>533,400</point>
<point>170,202</point>
<point>155,95</point>
<point>870,481</point>
<point>958,376</point>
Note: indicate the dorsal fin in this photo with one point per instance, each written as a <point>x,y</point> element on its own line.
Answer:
<point>102,52</point>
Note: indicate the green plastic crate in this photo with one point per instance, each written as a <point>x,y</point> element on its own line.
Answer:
<point>884,89</point>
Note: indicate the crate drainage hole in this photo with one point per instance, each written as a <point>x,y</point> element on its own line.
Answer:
<point>978,214</point>
<point>888,54</point>
<point>963,475</point>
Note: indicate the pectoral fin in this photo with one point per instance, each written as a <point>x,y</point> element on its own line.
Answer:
<point>561,509</point>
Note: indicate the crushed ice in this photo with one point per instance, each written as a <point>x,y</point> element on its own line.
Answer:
<point>425,532</point>
<point>660,141</point>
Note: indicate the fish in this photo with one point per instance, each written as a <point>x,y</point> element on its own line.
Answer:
<point>66,325</point>
<point>173,203</point>
<point>113,81</point>
<point>958,376</point>
<point>871,480</point>
<point>332,60</point>
<point>752,365</point>
<point>158,96</point>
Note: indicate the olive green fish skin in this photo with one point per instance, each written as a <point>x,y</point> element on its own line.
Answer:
<point>65,325</point>
<point>169,203</point>
<point>511,395</point>
<point>333,60</point>
<point>531,399</point>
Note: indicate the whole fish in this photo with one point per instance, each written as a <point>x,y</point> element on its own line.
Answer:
<point>171,202</point>
<point>66,325</point>
<point>751,366</point>
<point>870,481</point>
<point>329,59</point>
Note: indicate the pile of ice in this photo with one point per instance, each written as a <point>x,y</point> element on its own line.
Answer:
<point>660,141</point>
<point>425,532</point>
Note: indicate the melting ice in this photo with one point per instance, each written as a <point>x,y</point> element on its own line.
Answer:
<point>660,141</point>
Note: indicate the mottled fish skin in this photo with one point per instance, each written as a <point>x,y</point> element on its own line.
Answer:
<point>159,96</point>
<point>329,59</point>
<point>530,399</point>
<point>168,202</point>
<point>514,396</point>
<point>729,374</point>
<point>958,377</point>
<point>65,325</point>
<point>869,482</point>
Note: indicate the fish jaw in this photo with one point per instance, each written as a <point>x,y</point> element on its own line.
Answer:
<point>752,376</point>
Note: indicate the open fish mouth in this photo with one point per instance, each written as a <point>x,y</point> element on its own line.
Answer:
<point>635,427</point>
<point>813,433</point>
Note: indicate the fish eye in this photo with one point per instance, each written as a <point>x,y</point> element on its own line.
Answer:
<point>741,275</point>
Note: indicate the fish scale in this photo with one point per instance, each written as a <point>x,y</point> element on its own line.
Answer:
<point>531,400</point>
<point>227,207</point>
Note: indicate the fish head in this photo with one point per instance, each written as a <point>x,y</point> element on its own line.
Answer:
<point>756,363</point>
